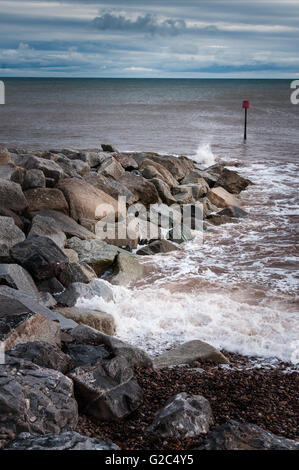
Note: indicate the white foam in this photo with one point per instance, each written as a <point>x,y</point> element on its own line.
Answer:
<point>204,155</point>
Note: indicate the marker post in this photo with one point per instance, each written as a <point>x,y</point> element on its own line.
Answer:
<point>245,105</point>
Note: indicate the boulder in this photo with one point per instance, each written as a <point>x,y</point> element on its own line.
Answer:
<point>183,416</point>
<point>123,234</point>
<point>15,276</point>
<point>40,199</point>
<point>111,168</point>
<point>207,207</point>
<point>34,179</point>
<point>19,324</point>
<point>77,290</point>
<point>35,400</point>
<point>6,171</point>
<point>108,148</point>
<point>111,187</point>
<point>233,211</point>
<point>232,181</point>
<point>44,355</point>
<point>151,169</point>
<point>50,285</point>
<point>10,235</point>
<point>48,167</point>
<point>209,177</point>
<point>18,220</point>
<point>47,227</point>
<point>180,234</point>
<point>195,177</point>
<point>66,224</point>
<point>85,354</point>
<point>145,191</point>
<point>217,219</point>
<point>5,157</point>
<point>179,167</point>
<point>221,198</point>
<point>157,246</point>
<point>163,191</point>
<point>192,351</point>
<point>127,269</point>
<point>73,167</point>
<point>93,158</point>
<point>76,272</point>
<point>71,254</point>
<point>69,440</point>
<point>245,436</point>
<point>127,162</point>
<point>40,256</point>
<point>96,253</point>
<point>18,175</point>
<point>183,194</point>
<point>86,201</point>
<point>97,319</point>
<point>134,356</point>
<point>12,197</point>
<point>107,390</point>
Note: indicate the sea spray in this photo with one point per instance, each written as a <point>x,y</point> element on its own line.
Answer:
<point>204,155</point>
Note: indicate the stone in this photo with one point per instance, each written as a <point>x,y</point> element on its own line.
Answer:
<point>35,400</point>
<point>5,156</point>
<point>50,285</point>
<point>12,197</point>
<point>40,199</point>
<point>46,299</point>
<point>151,169</point>
<point>69,440</point>
<point>157,246</point>
<point>208,207</point>
<point>70,166</point>
<point>71,254</point>
<point>76,272</point>
<point>18,220</point>
<point>19,324</point>
<point>163,191</point>
<point>44,355</point>
<point>124,233</point>
<point>10,235</point>
<point>97,319</point>
<point>48,167</point>
<point>93,158</point>
<point>107,390</point>
<point>89,224</point>
<point>179,167</point>
<point>145,191</point>
<point>108,148</point>
<point>6,171</point>
<point>195,177</point>
<point>40,256</point>
<point>86,201</point>
<point>183,194</point>
<point>232,181</point>
<point>127,269</point>
<point>245,436</point>
<point>217,219</point>
<point>66,224</point>
<point>134,356</point>
<point>96,253</point>
<point>233,211</point>
<point>34,179</point>
<point>111,168</point>
<point>209,177</point>
<point>199,190</point>
<point>113,188</point>
<point>84,354</point>
<point>180,234</point>
<point>15,276</point>
<point>77,290</point>
<point>18,175</point>
<point>183,416</point>
<point>221,198</point>
<point>192,351</point>
<point>127,162</point>
<point>47,227</point>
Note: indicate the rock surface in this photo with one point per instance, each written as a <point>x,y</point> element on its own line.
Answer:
<point>127,269</point>
<point>66,224</point>
<point>69,440</point>
<point>157,246</point>
<point>47,227</point>
<point>40,256</point>
<point>76,272</point>
<point>15,276</point>
<point>183,416</point>
<point>140,187</point>
<point>85,354</point>
<point>77,290</point>
<point>221,198</point>
<point>39,199</point>
<point>10,235</point>
<point>232,181</point>
<point>192,351</point>
<point>107,390</point>
<point>12,197</point>
<point>35,400</point>
<point>239,436</point>
<point>97,319</point>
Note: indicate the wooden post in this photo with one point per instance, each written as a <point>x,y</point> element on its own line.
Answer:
<point>246,106</point>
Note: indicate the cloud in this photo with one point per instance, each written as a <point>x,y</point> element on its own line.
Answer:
<point>147,23</point>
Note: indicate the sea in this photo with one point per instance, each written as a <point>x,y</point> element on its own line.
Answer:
<point>238,290</point>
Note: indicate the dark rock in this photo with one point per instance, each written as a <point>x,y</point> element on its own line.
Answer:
<point>48,167</point>
<point>232,181</point>
<point>44,355</point>
<point>163,191</point>
<point>12,197</point>
<point>75,272</point>
<point>151,169</point>
<point>51,285</point>
<point>114,188</point>
<point>108,148</point>
<point>135,356</point>
<point>233,211</point>
<point>16,218</point>
<point>40,199</point>
<point>96,287</point>
<point>18,175</point>
<point>15,276</point>
<point>239,436</point>
<point>40,256</point>
<point>65,441</point>
<point>157,246</point>
<point>217,219</point>
<point>35,400</point>
<point>140,187</point>
<point>34,179</point>
<point>107,390</point>
<point>66,224</point>
<point>111,168</point>
<point>183,416</point>
<point>84,354</point>
<point>127,162</point>
<point>47,227</point>
<point>95,318</point>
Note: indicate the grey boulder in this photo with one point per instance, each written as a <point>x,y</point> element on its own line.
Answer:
<point>85,354</point>
<point>77,290</point>
<point>10,235</point>
<point>15,276</point>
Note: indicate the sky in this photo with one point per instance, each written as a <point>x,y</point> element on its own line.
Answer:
<point>149,38</point>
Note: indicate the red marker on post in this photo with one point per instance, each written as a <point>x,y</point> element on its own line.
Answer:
<point>245,105</point>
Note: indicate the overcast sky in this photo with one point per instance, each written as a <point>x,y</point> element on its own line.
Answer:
<point>149,38</point>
